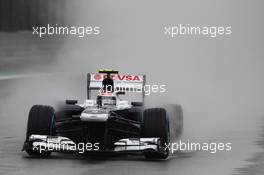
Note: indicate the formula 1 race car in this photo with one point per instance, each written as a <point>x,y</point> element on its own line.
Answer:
<point>104,124</point>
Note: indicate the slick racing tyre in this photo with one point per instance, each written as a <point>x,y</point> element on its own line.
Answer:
<point>175,113</point>
<point>41,121</point>
<point>155,124</point>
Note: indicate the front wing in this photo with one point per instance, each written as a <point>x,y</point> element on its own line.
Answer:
<point>63,144</point>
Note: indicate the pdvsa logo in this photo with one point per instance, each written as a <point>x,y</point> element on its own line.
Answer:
<point>100,77</point>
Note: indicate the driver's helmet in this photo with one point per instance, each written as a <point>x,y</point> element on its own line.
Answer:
<point>106,99</point>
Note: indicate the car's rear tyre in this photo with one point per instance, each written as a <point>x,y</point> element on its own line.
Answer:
<point>155,124</point>
<point>41,120</point>
<point>175,114</point>
<point>179,120</point>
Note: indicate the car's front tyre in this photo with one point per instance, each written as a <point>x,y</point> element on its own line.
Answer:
<point>41,121</point>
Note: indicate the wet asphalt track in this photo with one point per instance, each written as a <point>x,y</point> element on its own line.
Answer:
<point>12,131</point>
<point>17,95</point>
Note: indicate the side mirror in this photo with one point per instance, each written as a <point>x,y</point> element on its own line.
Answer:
<point>71,102</point>
<point>135,103</point>
<point>120,93</point>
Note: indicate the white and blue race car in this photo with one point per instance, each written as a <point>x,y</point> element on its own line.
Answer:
<point>103,124</point>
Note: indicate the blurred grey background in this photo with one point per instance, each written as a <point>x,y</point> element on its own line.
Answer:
<point>218,81</point>
<point>23,14</point>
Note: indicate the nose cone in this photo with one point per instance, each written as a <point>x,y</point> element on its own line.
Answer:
<point>94,115</point>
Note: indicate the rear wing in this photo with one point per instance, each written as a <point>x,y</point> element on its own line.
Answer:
<point>122,82</point>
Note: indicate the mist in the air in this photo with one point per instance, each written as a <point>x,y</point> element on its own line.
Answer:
<point>217,81</point>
